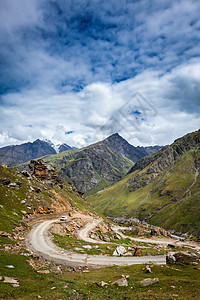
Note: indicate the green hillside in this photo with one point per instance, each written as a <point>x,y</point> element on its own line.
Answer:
<point>164,189</point>
<point>20,200</point>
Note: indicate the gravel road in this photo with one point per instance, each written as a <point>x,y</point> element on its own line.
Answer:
<point>41,244</point>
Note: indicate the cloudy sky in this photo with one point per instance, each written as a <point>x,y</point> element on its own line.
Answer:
<point>76,71</point>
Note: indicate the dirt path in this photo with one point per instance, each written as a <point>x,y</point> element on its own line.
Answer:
<point>84,233</point>
<point>160,241</point>
<point>40,243</point>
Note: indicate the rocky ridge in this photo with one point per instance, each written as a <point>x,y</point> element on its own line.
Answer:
<point>18,154</point>
<point>93,168</point>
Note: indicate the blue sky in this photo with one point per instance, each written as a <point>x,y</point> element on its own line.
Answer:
<point>72,67</point>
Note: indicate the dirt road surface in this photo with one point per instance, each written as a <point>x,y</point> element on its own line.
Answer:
<point>40,243</point>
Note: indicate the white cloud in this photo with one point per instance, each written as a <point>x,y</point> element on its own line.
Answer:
<point>171,110</point>
<point>68,66</point>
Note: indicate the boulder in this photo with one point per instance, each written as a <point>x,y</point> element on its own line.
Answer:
<point>102,283</point>
<point>3,233</point>
<point>170,259</point>
<point>120,250</point>
<point>26,173</point>
<point>148,281</point>
<point>5,181</point>
<point>148,269</point>
<point>10,280</point>
<point>182,258</point>
<point>44,171</point>
<point>104,238</point>
<point>13,186</point>
<point>138,252</point>
<point>88,247</point>
<point>121,282</point>
<point>102,229</point>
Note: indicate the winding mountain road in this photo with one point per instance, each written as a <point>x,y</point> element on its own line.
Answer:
<point>41,244</point>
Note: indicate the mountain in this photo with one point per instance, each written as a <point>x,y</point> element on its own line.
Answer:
<point>94,167</point>
<point>162,188</point>
<point>18,154</point>
<point>13,155</point>
<point>64,147</point>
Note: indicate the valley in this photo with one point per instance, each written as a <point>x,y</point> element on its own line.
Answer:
<point>105,246</point>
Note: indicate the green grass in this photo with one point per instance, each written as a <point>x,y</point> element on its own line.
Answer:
<point>71,243</point>
<point>82,285</point>
<point>163,202</point>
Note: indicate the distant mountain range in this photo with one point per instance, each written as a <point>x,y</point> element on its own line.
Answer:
<point>162,188</point>
<point>18,154</point>
<point>90,169</point>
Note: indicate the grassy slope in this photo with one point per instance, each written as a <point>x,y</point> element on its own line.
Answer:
<point>10,200</point>
<point>78,285</point>
<point>163,201</point>
<point>182,281</point>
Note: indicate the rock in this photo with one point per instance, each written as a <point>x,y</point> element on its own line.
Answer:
<point>26,173</point>
<point>43,271</point>
<point>88,247</point>
<point>49,182</point>
<point>148,281</point>
<point>35,189</point>
<point>125,276</point>
<point>10,280</point>
<point>138,252</point>
<point>13,186</point>
<point>14,213</point>
<point>118,237</point>
<point>102,283</point>
<point>120,250</point>
<point>105,238</point>
<point>19,183</point>
<point>159,231</point>
<point>10,266</point>
<point>23,202</point>
<point>97,247</point>
<point>44,171</point>
<point>148,269</point>
<point>182,258</point>
<point>128,254</point>
<point>5,181</point>
<point>102,229</point>
<point>15,285</point>
<point>121,282</point>
<point>3,233</point>
<point>171,245</point>
<point>186,257</point>
<point>78,249</point>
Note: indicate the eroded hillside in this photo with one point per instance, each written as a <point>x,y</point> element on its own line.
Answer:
<point>163,188</point>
